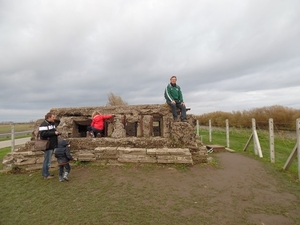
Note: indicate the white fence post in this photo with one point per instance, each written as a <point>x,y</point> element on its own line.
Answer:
<point>209,125</point>
<point>253,130</point>
<point>227,133</point>
<point>271,136</point>
<point>12,137</point>
<point>257,148</point>
<point>197,128</point>
<point>298,144</point>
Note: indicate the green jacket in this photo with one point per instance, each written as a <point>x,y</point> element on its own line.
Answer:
<point>173,93</point>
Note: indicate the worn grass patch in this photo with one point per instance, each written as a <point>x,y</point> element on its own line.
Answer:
<point>3,152</point>
<point>97,195</point>
<point>136,194</point>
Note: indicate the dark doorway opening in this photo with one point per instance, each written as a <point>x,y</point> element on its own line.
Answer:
<point>131,129</point>
<point>80,128</point>
<point>156,126</point>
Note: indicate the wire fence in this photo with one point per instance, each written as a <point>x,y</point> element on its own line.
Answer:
<point>268,141</point>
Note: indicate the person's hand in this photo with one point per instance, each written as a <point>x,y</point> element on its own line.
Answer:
<point>173,102</point>
<point>182,103</point>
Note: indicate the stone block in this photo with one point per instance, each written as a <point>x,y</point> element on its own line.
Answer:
<point>25,161</point>
<point>179,151</point>
<point>147,127</point>
<point>8,159</point>
<point>168,151</point>
<point>86,159</point>
<point>40,160</point>
<point>35,153</point>
<point>148,159</point>
<point>100,149</point>
<point>128,158</point>
<point>106,156</point>
<point>132,151</point>
<point>33,167</point>
<point>86,156</point>
<point>174,159</point>
<point>157,151</point>
<point>184,159</point>
<point>136,159</point>
<point>165,159</point>
<point>106,150</point>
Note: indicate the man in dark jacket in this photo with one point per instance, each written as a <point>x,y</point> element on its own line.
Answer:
<point>63,155</point>
<point>48,131</point>
<point>174,98</point>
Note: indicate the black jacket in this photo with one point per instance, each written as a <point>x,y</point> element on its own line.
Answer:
<point>47,130</point>
<point>62,153</point>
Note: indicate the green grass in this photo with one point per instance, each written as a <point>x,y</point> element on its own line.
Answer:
<point>130,194</point>
<point>136,194</point>
<point>238,138</point>
<point>101,195</point>
<point>3,152</point>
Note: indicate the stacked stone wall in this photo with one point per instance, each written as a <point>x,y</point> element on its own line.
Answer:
<point>168,142</point>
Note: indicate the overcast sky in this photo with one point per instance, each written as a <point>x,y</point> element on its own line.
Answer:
<point>227,55</point>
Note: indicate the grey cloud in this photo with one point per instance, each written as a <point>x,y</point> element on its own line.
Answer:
<point>227,55</point>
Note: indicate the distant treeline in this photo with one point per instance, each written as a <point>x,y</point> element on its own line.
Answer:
<point>284,118</point>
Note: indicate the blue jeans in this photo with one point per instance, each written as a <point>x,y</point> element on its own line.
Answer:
<point>61,169</point>
<point>174,110</point>
<point>95,131</point>
<point>47,162</point>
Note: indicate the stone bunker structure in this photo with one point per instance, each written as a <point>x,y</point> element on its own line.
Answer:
<point>136,134</point>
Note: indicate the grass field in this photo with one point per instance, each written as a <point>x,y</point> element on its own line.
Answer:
<point>3,152</point>
<point>18,127</point>
<point>129,194</point>
<point>239,137</point>
<point>6,128</point>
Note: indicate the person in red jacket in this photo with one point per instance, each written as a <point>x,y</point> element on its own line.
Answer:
<point>97,125</point>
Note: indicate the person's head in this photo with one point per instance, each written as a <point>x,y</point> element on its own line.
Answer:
<point>63,143</point>
<point>50,117</point>
<point>173,80</point>
<point>95,113</point>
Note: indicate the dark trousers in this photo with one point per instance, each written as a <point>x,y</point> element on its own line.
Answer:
<point>62,167</point>
<point>95,131</point>
<point>174,110</point>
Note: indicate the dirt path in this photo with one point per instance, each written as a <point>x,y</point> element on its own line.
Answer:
<point>244,188</point>
<point>239,190</point>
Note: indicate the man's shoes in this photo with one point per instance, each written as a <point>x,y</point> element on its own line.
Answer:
<point>175,119</point>
<point>184,120</point>
<point>60,179</point>
<point>92,134</point>
<point>49,177</point>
